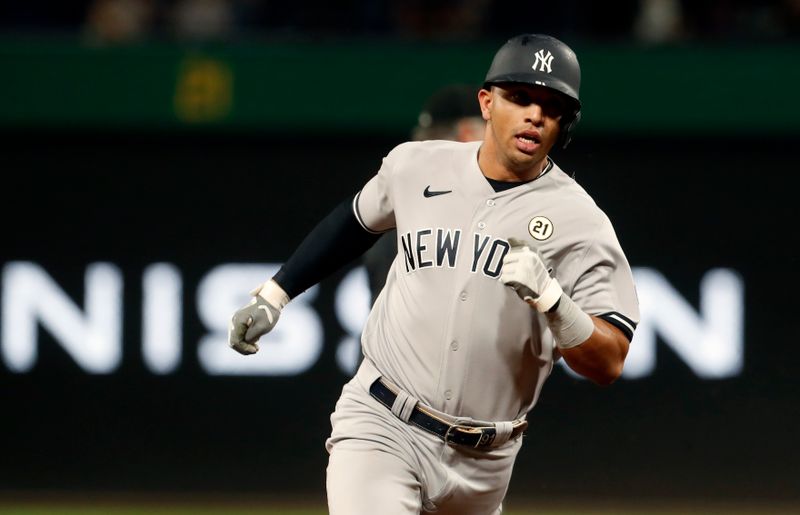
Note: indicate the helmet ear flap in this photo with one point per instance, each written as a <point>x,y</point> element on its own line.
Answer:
<point>567,127</point>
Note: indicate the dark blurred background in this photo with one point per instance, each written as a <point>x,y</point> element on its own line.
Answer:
<point>456,21</point>
<point>160,158</point>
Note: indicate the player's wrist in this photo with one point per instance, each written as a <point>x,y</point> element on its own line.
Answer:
<point>272,293</point>
<point>570,325</point>
<point>549,298</point>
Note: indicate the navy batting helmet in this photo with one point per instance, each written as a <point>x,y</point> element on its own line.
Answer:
<point>545,61</point>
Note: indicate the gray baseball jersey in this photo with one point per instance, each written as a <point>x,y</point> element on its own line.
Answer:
<point>444,328</point>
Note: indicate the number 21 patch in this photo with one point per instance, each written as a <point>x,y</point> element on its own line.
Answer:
<point>540,228</point>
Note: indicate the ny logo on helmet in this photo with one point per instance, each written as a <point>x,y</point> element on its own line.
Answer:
<point>543,61</point>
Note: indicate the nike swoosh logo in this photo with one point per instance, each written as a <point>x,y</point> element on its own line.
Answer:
<point>429,193</point>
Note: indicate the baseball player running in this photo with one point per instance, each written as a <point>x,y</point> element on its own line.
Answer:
<point>504,265</point>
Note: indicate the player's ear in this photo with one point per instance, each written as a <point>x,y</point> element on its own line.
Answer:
<point>485,101</point>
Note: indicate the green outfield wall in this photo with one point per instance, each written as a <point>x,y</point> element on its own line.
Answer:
<point>379,86</point>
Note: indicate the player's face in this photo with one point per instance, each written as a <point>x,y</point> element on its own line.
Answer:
<point>523,123</point>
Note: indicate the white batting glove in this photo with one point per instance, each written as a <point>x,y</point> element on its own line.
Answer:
<point>526,273</point>
<point>256,319</point>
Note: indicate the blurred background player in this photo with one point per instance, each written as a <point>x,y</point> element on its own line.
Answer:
<point>450,113</point>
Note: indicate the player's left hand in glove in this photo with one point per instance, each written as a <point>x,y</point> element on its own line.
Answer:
<point>526,273</point>
<point>256,319</point>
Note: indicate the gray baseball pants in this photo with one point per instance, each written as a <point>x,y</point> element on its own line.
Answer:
<point>379,464</point>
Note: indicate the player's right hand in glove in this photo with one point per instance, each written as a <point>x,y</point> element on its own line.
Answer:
<point>525,272</point>
<point>256,319</point>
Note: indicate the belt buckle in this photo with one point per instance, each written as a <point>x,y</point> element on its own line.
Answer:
<point>450,428</point>
<point>487,435</point>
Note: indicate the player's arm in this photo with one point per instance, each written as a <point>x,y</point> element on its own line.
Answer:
<point>590,345</point>
<point>601,356</point>
<point>337,240</point>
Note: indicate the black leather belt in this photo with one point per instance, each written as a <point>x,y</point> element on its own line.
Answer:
<point>478,437</point>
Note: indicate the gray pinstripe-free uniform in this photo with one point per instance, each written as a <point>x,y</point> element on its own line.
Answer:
<point>444,328</point>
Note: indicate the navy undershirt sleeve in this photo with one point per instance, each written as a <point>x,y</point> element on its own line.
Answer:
<point>336,241</point>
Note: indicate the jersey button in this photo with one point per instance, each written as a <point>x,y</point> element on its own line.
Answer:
<point>463,295</point>
<point>490,202</point>
<point>481,225</point>
<point>448,394</point>
<point>454,345</point>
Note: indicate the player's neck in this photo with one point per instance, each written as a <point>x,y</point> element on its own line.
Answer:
<point>493,166</point>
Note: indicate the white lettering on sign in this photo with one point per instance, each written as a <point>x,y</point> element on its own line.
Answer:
<point>162,318</point>
<point>709,339</point>
<point>92,336</point>
<point>352,305</point>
